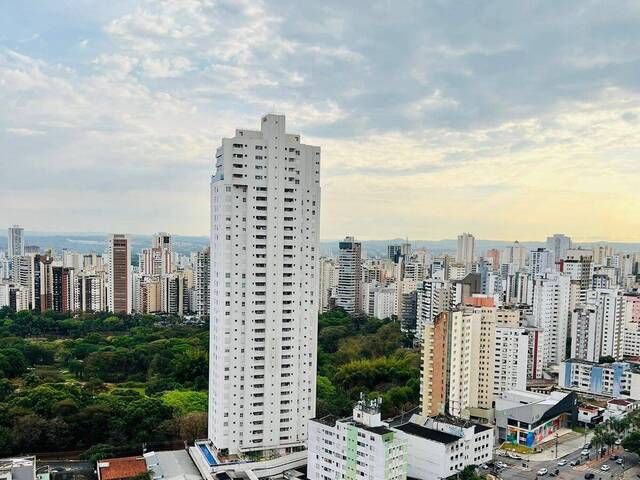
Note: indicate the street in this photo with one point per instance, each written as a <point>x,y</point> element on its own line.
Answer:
<point>517,471</point>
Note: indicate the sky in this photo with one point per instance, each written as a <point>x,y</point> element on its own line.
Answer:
<point>510,120</point>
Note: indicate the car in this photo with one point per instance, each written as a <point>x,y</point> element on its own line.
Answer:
<point>484,466</point>
<point>618,442</point>
<point>562,463</point>
<point>620,461</point>
<point>552,474</point>
<point>584,453</point>
<point>589,475</point>
<point>587,445</point>
<point>605,468</point>
<point>514,456</point>
<point>543,471</point>
<point>575,462</point>
<point>501,465</point>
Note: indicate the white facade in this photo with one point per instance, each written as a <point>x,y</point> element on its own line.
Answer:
<point>585,333</point>
<point>378,301</point>
<point>359,447</point>
<point>438,450</point>
<point>610,313</point>
<point>510,360</point>
<point>328,283</point>
<point>541,262</point>
<point>551,313</point>
<point>265,210</point>
<point>434,297</point>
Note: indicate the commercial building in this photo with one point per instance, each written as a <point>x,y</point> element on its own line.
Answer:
<point>15,241</point>
<point>358,447</point>
<point>265,210</point>
<point>528,419</point>
<point>119,274</point>
<point>466,250</point>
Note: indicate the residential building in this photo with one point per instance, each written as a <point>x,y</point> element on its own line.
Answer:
<point>585,333</point>
<point>329,277</point>
<point>361,446</point>
<point>201,262</point>
<point>348,295</point>
<point>551,313</point>
<point>609,379</point>
<point>541,261</point>
<point>510,359</point>
<point>265,210</point>
<point>442,447</point>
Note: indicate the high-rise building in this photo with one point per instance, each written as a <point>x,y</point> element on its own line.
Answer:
<point>201,262</point>
<point>349,276</point>
<point>558,245</point>
<point>540,262</point>
<point>551,313</point>
<point>465,252</point>
<point>328,283</point>
<point>510,360</point>
<point>15,241</point>
<point>585,333</point>
<point>119,274</point>
<point>265,210</point>
<point>433,298</point>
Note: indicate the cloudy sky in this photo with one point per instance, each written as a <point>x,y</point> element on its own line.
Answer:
<point>512,120</point>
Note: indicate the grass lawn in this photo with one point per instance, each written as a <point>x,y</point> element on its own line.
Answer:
<point>512,447</point>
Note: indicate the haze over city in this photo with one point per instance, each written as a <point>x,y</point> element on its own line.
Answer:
<point>510,120</point>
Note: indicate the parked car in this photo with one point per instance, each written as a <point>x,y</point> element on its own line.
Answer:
<point>514,455</point>
<point>587,445</point>
<point>584,453</point>
<point>562,463</point>
<point>501,465</point>
<point>484,466</point>
<point>620,461</point>
<point>542,472</point>
<point>589,475</point>
<point>605,468</point>
<point>575,462</point>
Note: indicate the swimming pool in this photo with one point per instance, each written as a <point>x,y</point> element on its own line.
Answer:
<point>207,454</point>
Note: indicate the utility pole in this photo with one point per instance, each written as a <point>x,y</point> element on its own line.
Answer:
<point>557,444</point>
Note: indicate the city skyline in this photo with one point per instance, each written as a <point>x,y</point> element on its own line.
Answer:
<point>487,118</point>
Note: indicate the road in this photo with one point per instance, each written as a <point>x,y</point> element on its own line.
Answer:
<point>516,470</point>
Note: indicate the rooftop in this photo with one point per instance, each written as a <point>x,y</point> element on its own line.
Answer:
<point>119,468</point>
<point>428,433</point>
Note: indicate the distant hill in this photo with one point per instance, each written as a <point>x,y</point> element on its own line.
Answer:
<point>97,243</point>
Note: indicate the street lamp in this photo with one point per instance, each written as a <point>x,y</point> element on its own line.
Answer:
<point>557,444</point>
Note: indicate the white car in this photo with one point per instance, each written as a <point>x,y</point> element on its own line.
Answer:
<point>514,456</point>
<point>605,468</point>
<point>543,471</point>
<point>501,464</point>
<point>562,463</point>
<point>584,453</point>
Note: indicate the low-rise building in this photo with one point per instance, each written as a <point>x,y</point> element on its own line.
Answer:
<point>527,418</point>
<point>440,447</point>
<point>361,446</point>
<point>121,468</point>
<point>19,468</point>
<point>609,379</point>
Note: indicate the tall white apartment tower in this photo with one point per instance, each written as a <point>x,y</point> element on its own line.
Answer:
<point>15,241</point>
<point>265,212</point>
<point>466,246</point>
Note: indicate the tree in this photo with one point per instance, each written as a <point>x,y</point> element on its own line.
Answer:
<point>192,426</point>
<point>606,359</point>
<point>631,442</point>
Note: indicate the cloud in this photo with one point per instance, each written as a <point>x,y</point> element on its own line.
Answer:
<point>507,119</point>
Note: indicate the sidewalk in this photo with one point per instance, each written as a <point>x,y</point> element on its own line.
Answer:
<point>569,445</point>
